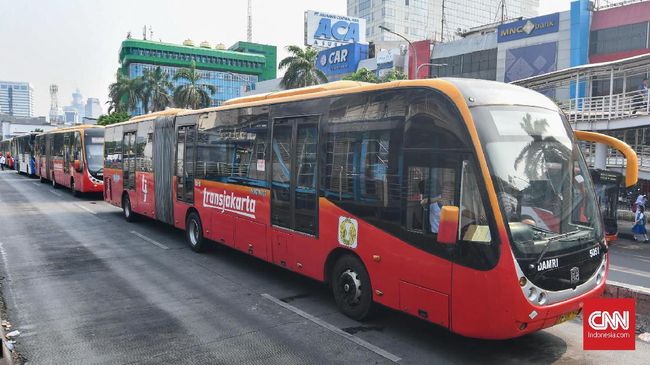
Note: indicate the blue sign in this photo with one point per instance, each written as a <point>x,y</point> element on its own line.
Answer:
<point>527,28</point>
<point>342,59</point>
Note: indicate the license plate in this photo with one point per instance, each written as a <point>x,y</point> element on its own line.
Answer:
<point>567,317</point>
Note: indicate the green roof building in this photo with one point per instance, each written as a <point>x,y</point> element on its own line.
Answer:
<point>231,70</point>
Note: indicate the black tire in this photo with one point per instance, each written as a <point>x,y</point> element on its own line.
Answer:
<point>127,212</point>
<point>41,179</point>
<point>351,287</point>
<point>194,232</point>
<point>54,183</point>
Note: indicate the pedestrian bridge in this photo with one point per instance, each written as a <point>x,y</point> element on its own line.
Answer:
<point>607,98</point>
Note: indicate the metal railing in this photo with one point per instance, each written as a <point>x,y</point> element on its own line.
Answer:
<point>608,107</point>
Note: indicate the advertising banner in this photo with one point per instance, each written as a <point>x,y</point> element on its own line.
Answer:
<point>341,60</point>
<point>325,30</point>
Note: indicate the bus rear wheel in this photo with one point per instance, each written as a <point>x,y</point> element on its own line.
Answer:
<point>194,232</point>
<point>75,192</point>
<point>351,287</point>
<point>129,216</point>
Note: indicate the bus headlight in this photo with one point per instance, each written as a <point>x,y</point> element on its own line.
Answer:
<point>532,294</point>
<point>541,299</point>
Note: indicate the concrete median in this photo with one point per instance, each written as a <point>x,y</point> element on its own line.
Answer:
<point>615,289</point>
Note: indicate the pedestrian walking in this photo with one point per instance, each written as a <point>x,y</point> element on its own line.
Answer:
<point>2,162</point>
<point>641,100</point>
<point>639,224</point>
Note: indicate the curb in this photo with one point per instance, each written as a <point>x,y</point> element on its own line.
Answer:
<point>641,295</point>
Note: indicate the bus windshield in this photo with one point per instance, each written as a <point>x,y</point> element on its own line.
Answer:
<point>541,180</point>
<point>94,142</point>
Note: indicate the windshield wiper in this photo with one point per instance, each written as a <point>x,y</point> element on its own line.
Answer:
<point>552,239</point>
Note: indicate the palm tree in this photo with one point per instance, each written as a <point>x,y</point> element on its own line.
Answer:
<point>125,93</point>
<point>156,89</point>
<point>301,68</point>
<point>540,150</point>
<point>192,95</point>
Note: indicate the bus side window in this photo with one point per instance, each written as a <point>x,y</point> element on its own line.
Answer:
<point>473,224</point>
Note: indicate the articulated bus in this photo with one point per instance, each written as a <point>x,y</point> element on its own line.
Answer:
<point>5,150</point>
<point>23,152</point>
<point>409,194</point>
<point>72,157</point>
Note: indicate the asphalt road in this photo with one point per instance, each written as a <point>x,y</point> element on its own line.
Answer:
<point>85,287</point>
<point>630,260</point>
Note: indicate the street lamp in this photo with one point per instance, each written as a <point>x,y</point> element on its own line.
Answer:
<point>431,64</point>
<point>415,55</point>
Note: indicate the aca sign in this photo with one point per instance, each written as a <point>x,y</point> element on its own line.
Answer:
<point>329,30</point>
<point>342,59</point>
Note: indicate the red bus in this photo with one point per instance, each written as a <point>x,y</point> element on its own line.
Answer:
<point>5,150</point>
<point>72,157</point>
<point>406,194</point>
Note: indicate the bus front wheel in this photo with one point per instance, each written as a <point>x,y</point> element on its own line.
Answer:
<point>129,216</point>
<point>351,287</point>
<point>194,232</point>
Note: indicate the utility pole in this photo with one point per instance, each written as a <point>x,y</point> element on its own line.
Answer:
<point>442,23</point>
<point>249,30</point>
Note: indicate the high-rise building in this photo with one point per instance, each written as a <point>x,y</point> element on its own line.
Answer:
<point>229,70</point>
<point>93,108</point>
<point>16,98</point>
<point>434,19</point>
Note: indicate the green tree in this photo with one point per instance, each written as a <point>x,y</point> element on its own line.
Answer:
<point>393,75</point>
<point>156,89</point>
<point>363,75</point>
<point>125,93</point>
<point>301,68</point>
<point>541,149</point>
<point>112,118</point>
<point>192,95</point>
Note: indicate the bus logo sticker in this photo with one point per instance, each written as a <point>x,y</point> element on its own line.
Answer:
<point>548,264</point>
<point>229,203</point>
<point>348,228</point>
<point>575,274</point>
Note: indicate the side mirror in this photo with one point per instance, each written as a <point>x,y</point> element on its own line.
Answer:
<point>77,165</point>
<point>448,227</point>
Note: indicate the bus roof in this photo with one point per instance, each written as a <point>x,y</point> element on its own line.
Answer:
<point>73,128</point>
<point>143,117</point>
<point>475,93</point>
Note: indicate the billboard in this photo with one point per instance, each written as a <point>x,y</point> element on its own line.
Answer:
<point>527,28</point>
<point>530,61</point>
<point>325,30</point>
<point>342,59</point>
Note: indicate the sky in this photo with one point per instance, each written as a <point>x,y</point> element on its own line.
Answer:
<point>75,43</point>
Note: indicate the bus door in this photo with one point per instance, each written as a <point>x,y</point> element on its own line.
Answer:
<point>294,183</point>
<point>163,167</point>
<point>128,164</point>
<point>185,147</point>
<point>48,155</point>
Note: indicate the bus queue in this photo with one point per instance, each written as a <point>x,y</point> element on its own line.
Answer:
<point>465,203</point>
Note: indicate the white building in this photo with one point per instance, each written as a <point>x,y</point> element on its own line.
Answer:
<point>11,126</point>
<point>16,98</point>
<point>93,108</point>
<point>423,19</point>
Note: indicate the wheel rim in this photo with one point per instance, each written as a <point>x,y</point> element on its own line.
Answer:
<point>350,287</point>
<point>194,232</point>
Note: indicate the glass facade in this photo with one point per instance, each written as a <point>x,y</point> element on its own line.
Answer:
<point>229,85</point>
<point>619,39</point>
<point>16,98</point>
<point>477,65</point>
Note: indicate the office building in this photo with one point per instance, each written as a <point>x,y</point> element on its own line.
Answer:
<point>423,19</point>
<point>230,70</point>
<point>16,98</point>
<point>93,108</point>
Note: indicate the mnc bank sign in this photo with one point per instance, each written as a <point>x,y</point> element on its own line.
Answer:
<point>341,60</point>
<point>328,30</point>
<point>527,28</point>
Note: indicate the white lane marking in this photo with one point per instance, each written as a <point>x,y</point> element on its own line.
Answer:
<point>86,209</point>
<point>379,351</point>
<point>56,193</point>
<point>150,240</point>
<point>629,271</point>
